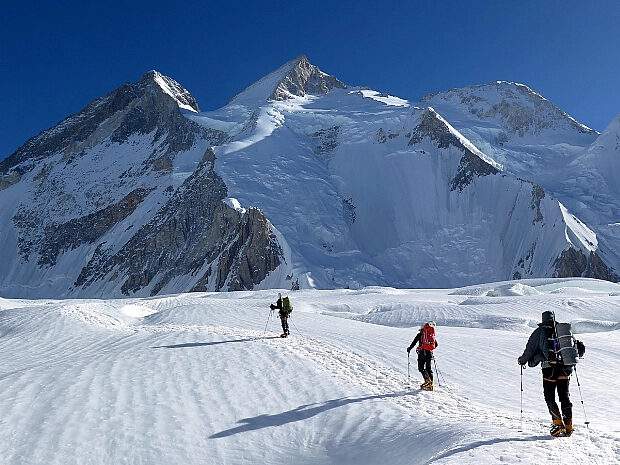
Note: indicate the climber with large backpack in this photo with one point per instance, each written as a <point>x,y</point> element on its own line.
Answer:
<point>553,345</point>
<point>283,304</point>
<point>427,343</point>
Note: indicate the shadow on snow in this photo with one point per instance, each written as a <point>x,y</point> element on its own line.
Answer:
<point>214,343</point>
<point>300,413</point>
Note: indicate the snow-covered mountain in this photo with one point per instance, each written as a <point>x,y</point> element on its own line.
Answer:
<point>535,140</point>
<point>122,198</point>
<point>302,179</point>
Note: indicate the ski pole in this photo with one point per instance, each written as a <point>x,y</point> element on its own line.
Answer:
<point>521,424</point>
<point>583,405</point>
<point>438,372</point>
<point>408,370</point>
<point>296,328</point>
<point>268,319</point>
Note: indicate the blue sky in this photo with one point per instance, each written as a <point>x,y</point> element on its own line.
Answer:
<point>55,57</point>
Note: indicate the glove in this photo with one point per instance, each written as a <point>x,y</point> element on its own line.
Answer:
<point>272,306</point>
<point>408,349</point>
<point>521,361</point>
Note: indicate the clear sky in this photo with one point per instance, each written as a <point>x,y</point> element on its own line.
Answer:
<point>57,56</point>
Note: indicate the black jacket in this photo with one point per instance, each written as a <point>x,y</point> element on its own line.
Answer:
<point>535,349</point>
<point>278,306</point>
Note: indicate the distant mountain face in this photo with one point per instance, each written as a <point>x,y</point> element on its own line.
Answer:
<point>122,199</point>
<point>302,179</point>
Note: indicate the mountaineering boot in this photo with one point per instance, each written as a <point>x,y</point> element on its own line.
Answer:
<point>425,383</point>
<point>557,429</point>
<point>284,335</point>
<point>428,386</point>
<point>568,426</point>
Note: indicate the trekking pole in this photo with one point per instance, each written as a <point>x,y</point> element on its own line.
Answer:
<point>438,373</point>
<point>408,371</point>
<point>583,405</point>
<point>521,424</point>
<point>268,319</point>
<point>295,326</point>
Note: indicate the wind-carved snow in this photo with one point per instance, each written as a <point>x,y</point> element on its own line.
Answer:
<point>390,100</point>
<point>195,379</point>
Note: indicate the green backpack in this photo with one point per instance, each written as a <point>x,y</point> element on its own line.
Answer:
<point>287,308</point>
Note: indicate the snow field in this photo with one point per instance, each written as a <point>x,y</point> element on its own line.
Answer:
<point>193,378</point>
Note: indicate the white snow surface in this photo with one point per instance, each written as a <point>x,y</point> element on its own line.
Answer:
<point>194,379</point>
<point>389,100</point>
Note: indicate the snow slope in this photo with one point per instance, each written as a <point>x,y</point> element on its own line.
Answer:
<point>367,190</point>
<point>193,379</point>
<point>535,140</point>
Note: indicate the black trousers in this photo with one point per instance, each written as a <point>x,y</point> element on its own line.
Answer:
<point>424,364</point>
<point>284,321</point>
<point>560,382</point>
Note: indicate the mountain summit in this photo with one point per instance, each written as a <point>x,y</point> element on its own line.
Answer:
<point>296,78</point>
<point>140,193</point>
<point>181,95</point>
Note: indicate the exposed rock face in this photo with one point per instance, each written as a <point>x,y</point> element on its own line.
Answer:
<point>175,90</point>
<point>327,140</point>
<point>538,193</point>
<point>574,262</point>
<point>87,229</point>
<point>139,108</point>
<point>9,180</point>
<point>193,234</point>
<point>433,127</point>
<point>297,78</point>
<point>248,260</point>
<point>305,78</point>
<point>470,167</point>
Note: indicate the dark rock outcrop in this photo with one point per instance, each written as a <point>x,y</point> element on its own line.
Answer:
<point>304,78</point>
<point>87,229</point>
<point>538,193</point>
<point>195,232</point>
<point>573,262</point>
<point>432,127</point>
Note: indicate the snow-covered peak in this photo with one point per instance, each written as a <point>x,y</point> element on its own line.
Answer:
<point>169,86</point>
<point>297,77</point>
<point>148,105</point>
<point>519,110</point>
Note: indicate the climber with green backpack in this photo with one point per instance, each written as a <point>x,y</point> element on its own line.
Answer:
<point>285,308</point>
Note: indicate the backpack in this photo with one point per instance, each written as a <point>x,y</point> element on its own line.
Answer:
<point>427,337</point>
<point>287,308</point>
<point>561,346</point>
